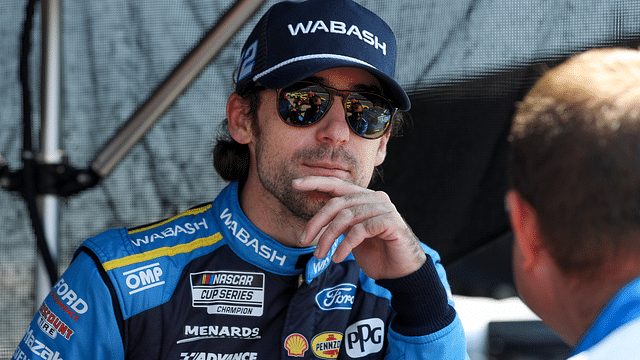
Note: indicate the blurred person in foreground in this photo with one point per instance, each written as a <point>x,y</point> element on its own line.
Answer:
<point>574,202</point>
<point>295,258</point>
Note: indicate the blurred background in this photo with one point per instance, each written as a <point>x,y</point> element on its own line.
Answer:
<point>76,73</point>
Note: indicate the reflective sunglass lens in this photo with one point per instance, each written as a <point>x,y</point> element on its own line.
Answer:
<point>303,106</point>
<point>368,115</point>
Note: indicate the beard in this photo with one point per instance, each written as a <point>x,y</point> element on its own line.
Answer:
<point>277,177</point>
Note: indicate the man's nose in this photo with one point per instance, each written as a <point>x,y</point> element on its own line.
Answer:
<point>333,128</point>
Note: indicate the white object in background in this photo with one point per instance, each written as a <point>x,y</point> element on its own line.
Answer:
<point>477,312</point>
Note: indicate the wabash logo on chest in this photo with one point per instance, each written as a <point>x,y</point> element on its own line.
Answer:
<point>228,292</point>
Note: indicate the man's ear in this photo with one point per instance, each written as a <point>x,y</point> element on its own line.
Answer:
<point>525,226</point>
<point>240,122</point>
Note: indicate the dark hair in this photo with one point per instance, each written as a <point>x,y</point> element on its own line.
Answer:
<point>232,159</point>
<point>575,158</point>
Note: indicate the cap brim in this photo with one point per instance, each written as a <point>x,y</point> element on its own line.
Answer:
<point>288,74</point>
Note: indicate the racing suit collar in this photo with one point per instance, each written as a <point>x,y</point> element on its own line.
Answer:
<point>257,248</point>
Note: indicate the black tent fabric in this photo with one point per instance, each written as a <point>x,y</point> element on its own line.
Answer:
<point>448,173</point>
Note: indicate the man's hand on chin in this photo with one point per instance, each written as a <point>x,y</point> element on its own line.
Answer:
<point>381,241</point>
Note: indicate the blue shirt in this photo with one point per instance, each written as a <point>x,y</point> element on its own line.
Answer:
<point>623,308</point>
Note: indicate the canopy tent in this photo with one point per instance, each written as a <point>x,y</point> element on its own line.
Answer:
<point>464,63</point>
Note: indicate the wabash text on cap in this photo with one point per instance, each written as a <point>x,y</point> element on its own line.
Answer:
<point>294,40</point>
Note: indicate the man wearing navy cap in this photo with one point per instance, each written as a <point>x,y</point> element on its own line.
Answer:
<point>295,258</point>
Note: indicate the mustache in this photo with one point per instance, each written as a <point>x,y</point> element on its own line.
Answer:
<point>338,155</point>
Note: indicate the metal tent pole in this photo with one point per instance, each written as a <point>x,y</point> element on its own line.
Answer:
<point>181,77</point>
<point>140,122</point>
<point>50,152</point>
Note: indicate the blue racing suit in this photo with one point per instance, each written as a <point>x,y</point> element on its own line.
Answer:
<point>615,333</point>
<point>208,285</point>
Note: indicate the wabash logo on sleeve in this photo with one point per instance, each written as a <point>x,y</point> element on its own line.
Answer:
<point>364,337</point>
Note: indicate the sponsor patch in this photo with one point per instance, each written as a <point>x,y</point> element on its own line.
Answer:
<point>51,324</point>
<point>172,231</point>
<point>228,292</point>
<point>218,356</point>
<point>143,278</point>
<point>194,333</point>
<point>68,300</point>
<point>364,337</point>
<point>252,243</point>
<point>296,345</point>
<point>326,345</point>
<point>339,297</point>
<point>38,349</point>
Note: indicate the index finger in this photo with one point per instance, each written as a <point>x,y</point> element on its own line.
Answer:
<point>330,185</point>
<point>336,188</point>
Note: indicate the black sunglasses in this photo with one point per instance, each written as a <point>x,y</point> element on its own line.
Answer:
<point>305,103</point>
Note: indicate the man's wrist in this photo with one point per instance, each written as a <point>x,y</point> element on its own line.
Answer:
<point>420,301</point>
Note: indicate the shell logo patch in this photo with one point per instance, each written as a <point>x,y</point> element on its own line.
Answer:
<point>296,345</point>
<point>326,345</point>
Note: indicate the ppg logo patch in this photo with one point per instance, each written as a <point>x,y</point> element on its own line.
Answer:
<point>364,337</point>
<point>339,297</point>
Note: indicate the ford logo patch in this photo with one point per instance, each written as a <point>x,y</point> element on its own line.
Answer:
<point>339,297</point>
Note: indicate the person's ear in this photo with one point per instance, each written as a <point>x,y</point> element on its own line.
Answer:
<point>525,226</point>
<point>240,121</point>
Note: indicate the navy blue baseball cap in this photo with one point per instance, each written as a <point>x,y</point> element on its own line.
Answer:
<point>294,40</point>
